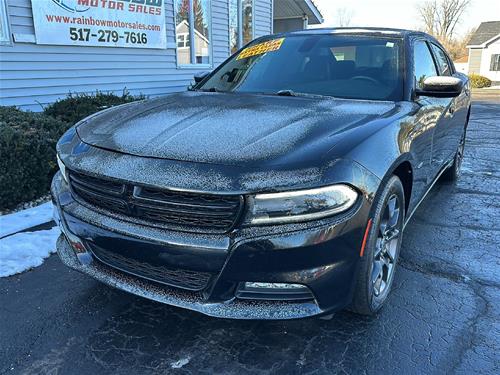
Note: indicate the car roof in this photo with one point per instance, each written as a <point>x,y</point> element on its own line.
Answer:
<point>383,31</point>
<point>364,31</point>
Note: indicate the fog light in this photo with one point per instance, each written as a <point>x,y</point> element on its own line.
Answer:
<point>76,244</point>
<point>78,247</point>
<point>273,291</point>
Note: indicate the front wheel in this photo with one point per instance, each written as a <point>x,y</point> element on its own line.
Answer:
<point>378,263</point>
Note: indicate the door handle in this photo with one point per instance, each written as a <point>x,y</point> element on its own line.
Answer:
<point>451,109</point>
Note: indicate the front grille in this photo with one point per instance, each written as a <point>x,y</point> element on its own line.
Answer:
<point>185,279</point>
<point>166,207</point>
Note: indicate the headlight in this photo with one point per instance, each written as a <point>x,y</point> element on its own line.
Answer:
<point>300,205</point>
<point>62,168</point>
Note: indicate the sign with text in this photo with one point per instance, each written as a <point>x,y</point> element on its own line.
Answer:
<point>102,23</point>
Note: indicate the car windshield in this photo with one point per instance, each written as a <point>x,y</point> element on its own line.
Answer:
<point>344,66</point>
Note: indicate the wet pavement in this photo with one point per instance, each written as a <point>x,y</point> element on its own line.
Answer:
<point>442,317</point>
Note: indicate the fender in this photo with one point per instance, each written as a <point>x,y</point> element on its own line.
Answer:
<point>397,153</point>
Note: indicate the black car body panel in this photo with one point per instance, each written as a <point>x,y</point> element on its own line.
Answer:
<point>313,254</point>
<point>233,129</point>
<point>239,144</point>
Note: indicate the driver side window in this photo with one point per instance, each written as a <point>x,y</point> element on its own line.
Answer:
<point>424,63</point>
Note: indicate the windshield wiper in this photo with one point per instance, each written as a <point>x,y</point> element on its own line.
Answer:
<point>288,92</point>
<point>211,89</point>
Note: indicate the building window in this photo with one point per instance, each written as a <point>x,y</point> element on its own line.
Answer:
<point>495,63</point>
<point>183,40</point>
<point>192,25</point>
<point>240,23</point>
<point>4,23</point>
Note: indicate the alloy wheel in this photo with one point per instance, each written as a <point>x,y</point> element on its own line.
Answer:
<point>386,246</point>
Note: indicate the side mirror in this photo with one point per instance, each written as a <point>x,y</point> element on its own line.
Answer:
<point>441,87</point>
<point>198,77</point>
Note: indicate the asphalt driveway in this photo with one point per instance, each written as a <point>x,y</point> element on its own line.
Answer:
<point>442,317</point>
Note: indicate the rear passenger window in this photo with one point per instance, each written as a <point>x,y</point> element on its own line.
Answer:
<point>442,60</point>
<point>424,63</point>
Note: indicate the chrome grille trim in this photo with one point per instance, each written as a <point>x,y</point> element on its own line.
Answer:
<point>208,212</point>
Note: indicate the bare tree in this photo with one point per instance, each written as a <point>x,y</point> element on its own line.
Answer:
<point>427,11</point>
<point>441,17</point>
<point>344,17</point>
<point>457,46</point>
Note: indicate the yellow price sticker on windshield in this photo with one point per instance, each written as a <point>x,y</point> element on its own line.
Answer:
<point>259,49</point>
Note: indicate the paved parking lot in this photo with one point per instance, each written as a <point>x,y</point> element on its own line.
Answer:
<point>443,315</point>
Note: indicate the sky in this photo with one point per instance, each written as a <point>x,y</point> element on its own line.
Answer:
<point>402,13</point>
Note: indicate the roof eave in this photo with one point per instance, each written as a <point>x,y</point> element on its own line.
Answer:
<point>318,17</point>
<point>484,44</point>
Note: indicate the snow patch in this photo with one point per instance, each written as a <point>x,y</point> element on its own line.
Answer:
<point>25,219</point>
<point>23,251</point>
<point>180,363</point>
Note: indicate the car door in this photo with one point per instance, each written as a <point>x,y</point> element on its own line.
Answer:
<point>428,115</point>
<point>448,132</point>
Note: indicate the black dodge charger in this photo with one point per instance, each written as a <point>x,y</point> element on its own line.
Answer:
<point>278,186</point>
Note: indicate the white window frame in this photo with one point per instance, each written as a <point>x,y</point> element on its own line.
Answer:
<point>185,40</point>
<point>4,19</point>
<point>239,18</point>
<point>194,65</point>
<point>494,65</point>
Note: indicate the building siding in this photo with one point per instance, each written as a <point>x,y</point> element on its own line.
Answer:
<point>475,60</point>
<point>263,17</point>
<point>492,48</point>
<point>33,76</point>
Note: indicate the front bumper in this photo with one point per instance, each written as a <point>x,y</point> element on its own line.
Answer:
<point>321,255</point>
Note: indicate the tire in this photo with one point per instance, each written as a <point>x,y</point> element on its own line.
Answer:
<point>378,264</point>
<point>452,173</point>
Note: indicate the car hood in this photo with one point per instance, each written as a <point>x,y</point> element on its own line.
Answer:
<point>231,129</point>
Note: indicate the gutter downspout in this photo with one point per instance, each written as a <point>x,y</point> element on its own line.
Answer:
<point>305,21</point>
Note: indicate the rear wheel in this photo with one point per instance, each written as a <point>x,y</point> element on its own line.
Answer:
<point>378,264</point>
<point>453,172</point>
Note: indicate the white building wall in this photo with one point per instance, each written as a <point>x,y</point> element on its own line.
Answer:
<point>491,49</point>
<point>462,67</point>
